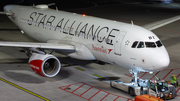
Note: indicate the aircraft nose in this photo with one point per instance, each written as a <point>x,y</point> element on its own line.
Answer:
<point>160,61</point>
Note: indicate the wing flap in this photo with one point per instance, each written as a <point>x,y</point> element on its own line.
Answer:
<point>58,46</point>
<point>161,23</point>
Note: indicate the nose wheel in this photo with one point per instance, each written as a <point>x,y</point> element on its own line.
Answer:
<point>134,73</point>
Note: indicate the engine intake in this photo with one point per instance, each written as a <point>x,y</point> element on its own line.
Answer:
<point>45,65</point>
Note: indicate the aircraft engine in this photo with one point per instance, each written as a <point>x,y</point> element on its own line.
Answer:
<point>45,65</point>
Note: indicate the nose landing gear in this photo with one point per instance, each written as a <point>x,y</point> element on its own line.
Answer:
<point>134,73</point>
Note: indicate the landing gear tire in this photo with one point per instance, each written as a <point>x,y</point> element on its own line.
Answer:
<point>131,91</point>
<point>111,85</point>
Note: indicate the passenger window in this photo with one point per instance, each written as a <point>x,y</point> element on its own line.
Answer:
<point>134,44</point>
<point>150,44</point>
<point>141,45</point>
<point>159,44</point>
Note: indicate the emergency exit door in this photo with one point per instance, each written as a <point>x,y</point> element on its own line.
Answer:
<point>118,43</point>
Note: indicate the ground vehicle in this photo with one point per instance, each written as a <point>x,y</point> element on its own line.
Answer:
<point>157,88</point>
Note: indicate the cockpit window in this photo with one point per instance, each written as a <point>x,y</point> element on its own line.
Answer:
<point>159,44</point>
<point>141,45</point>
<point>150,44</point>
<point>134,44</point>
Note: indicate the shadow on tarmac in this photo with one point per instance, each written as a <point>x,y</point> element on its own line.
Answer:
<point>36,79</point>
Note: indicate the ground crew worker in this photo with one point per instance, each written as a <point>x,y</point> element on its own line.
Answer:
<point>173,80</point>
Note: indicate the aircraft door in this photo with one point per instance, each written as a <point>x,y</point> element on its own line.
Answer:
<point>118,43</point>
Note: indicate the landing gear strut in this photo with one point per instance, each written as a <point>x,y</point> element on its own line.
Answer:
<point>134,73</point>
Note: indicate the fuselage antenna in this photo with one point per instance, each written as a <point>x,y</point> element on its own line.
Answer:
<point>51,4</point>
<point>56,9</point>
<point>132,23</point>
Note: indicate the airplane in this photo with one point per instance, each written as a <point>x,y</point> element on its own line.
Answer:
<point>87,38</point>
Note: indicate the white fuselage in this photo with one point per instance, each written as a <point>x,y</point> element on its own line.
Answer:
<point>94,38</point>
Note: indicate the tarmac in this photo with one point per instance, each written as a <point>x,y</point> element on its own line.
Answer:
<point>77,78</point>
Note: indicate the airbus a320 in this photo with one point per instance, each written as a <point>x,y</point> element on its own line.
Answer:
<point>88,38</point>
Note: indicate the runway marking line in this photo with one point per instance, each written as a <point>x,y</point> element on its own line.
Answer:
<point>104,97</point>
<point>177,89</point>
<point>94,95</point>
<point>154,75</point>
<point>97,75</point>
<point>23,89</point>
<point>90,87</point>
<point>80,69</point>
<point>178,75</point>
<point>168,74</point>
<point>143,74</point>
<point>128,75</point>
<point>78,87</point>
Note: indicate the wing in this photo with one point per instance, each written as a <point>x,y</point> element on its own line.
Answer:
<point>55,46</point>
<point>161,23</point>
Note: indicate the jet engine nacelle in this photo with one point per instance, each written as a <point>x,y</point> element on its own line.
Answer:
<point>45,65</point>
